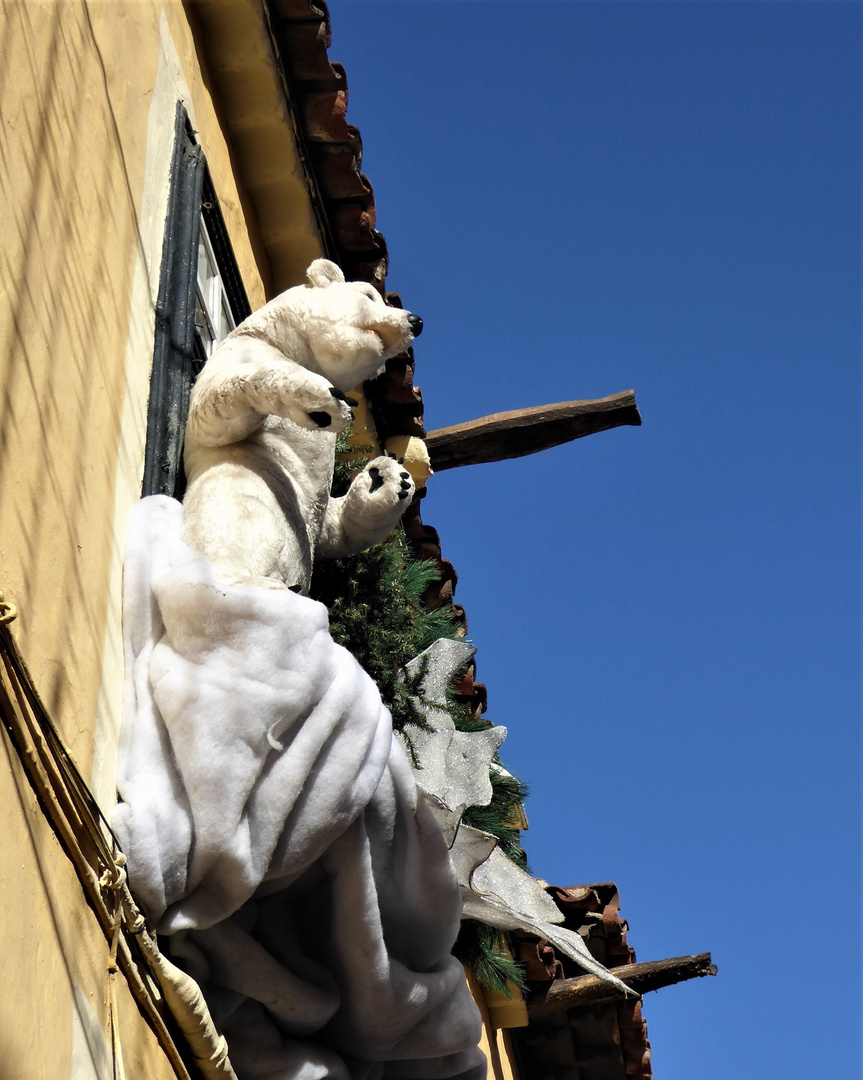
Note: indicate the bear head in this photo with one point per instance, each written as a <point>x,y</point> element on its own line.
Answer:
<point>350,328</point>
<point>342,330</point>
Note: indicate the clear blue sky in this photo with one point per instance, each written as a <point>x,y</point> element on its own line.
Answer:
<point>580,198</point>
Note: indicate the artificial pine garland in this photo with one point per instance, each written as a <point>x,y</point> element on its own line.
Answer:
<point>488,952</point>
<point>377,613</point>
<point>499,817</point>
<point>376,610</point>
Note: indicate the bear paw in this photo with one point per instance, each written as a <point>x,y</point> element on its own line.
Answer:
<point>312,402</point>
<point>324,419</point>
<point>376,500</point>
<point>388,482</point>
<point>235,574</point>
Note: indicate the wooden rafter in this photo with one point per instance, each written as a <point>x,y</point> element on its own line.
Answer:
<point>527,431</point>
<point>585,990</point>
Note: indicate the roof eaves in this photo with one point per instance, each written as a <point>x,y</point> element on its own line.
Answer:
<point>238,50</point>
<point>319,91</point>
<point>605,1041</point>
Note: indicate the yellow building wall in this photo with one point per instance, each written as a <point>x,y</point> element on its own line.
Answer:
<point>88,94</point>
<point>87,103</point>
<point>53,1009</point>
<point>498,1014</point>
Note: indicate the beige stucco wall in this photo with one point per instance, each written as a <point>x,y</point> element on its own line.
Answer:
<point>494,1040</point>
<point>87,101</point>
<point>53,1009</point>
<point>88,92</point>
<point>78,87</point>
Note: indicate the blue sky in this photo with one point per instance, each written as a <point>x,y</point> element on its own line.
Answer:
<point>580,198</point>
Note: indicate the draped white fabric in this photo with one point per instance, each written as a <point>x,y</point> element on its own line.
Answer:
<point>273,828</point>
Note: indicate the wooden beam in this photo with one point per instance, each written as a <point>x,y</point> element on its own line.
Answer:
<point>526,431</point>
<point>589,990</point>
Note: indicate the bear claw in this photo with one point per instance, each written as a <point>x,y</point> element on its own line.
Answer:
<point>340,395</point>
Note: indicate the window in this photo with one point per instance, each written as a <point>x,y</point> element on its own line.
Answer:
<point>201,299</point>
<point>214,319</point>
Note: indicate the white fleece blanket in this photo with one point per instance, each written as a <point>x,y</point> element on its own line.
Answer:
<point>272,826</point>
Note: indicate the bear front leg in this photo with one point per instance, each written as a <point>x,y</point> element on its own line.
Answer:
<point>369,511</point>
<point>245,381</point>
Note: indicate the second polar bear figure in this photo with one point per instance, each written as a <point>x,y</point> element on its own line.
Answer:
<point>260,438</point>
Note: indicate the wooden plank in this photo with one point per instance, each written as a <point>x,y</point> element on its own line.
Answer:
<point>588,990</point>
<point>527,431</point>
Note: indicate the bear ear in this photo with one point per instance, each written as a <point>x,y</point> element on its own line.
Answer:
<point>322,272</point>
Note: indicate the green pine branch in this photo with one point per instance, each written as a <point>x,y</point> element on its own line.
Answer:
<point>488,952</point>
<point>377,611</point>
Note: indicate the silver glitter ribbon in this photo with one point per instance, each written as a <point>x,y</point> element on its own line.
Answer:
<point>453,773</point>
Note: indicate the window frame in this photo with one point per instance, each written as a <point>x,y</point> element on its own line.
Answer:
<point>178,350</point>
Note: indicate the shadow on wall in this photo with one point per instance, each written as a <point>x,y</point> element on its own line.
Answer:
<point>70,233</point>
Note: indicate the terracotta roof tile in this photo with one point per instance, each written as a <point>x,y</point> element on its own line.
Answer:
<point>319,93</point>
<point>602,1042</point>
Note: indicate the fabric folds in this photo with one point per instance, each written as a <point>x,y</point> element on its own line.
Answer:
<point>274,831</point>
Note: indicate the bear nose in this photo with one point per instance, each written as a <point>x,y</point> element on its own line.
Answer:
<point>416,325</point>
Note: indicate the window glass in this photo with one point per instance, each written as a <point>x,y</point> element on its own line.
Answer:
<point>213,317</point>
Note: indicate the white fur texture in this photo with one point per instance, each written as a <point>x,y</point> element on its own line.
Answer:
<point>260,436</point>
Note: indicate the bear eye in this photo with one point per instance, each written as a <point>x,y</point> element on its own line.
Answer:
<point>371,293</point>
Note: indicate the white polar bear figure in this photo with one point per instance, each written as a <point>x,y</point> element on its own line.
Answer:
<point>260,438</point>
